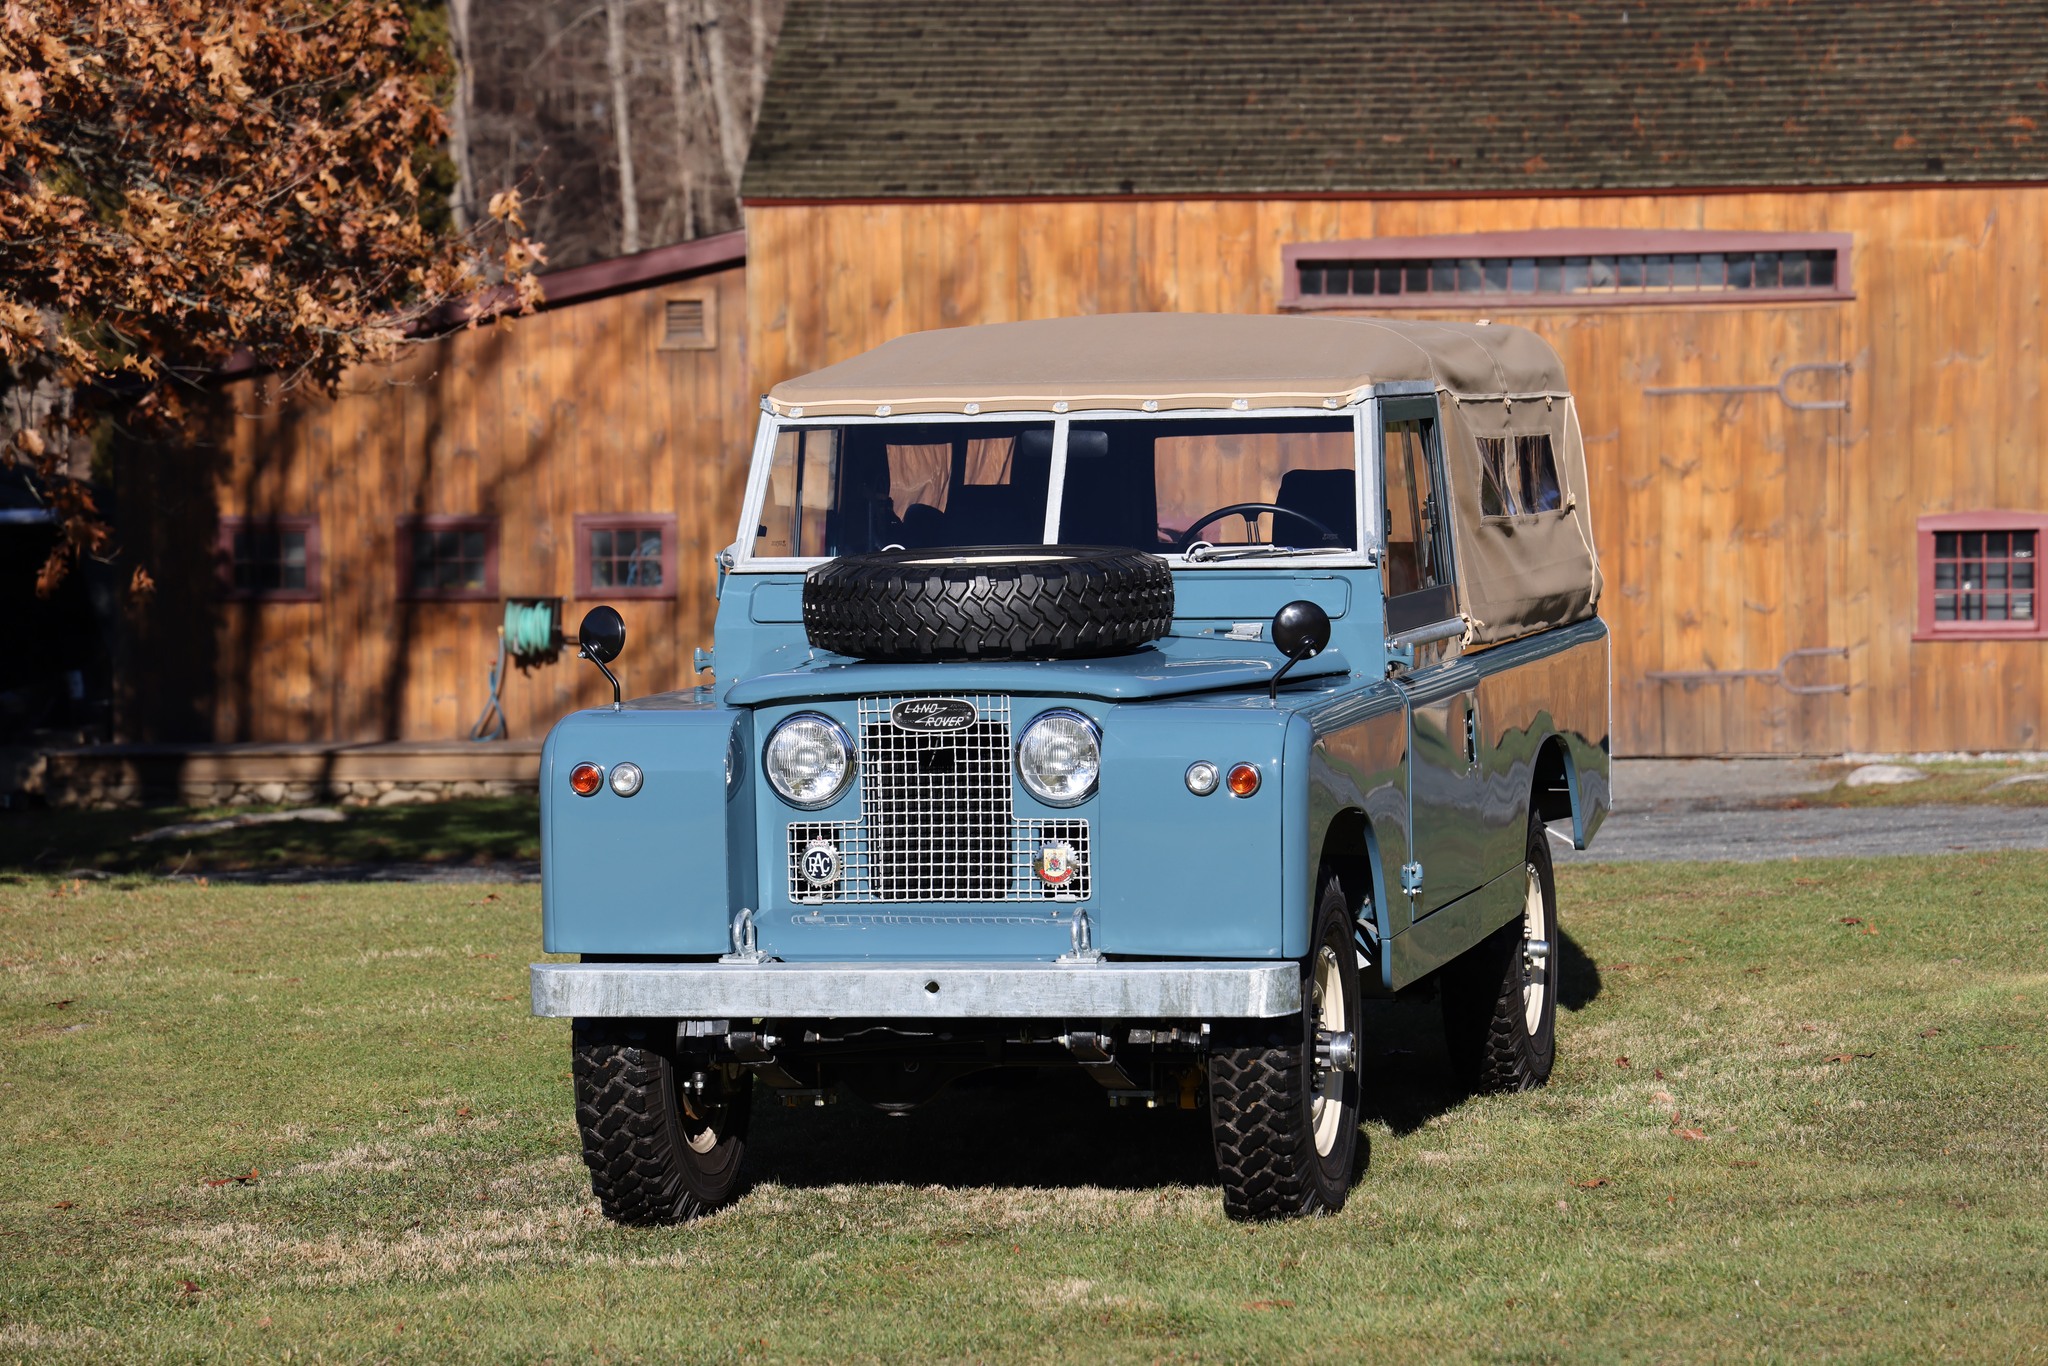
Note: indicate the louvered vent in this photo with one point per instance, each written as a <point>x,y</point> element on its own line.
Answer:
<point>684,324</point>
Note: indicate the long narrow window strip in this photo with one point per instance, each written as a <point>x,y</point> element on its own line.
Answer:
<point>1574,276</point>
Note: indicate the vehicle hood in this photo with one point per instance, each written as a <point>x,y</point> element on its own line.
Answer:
<point>1172,667</point>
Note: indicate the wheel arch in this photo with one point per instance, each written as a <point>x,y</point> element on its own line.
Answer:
<point>1351,849</point>
<point>1554,790</point>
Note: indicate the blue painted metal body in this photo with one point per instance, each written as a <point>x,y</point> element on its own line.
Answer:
<point>1343,752</point>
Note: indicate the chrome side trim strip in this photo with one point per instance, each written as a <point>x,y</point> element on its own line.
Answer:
<point>1119,991</point>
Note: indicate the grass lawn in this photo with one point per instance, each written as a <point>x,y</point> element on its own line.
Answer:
<point>475,830</point>
<point>1799,1114</point>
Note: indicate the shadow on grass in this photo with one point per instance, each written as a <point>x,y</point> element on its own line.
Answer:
<point>1056,1129</point>
<point>482,830</point>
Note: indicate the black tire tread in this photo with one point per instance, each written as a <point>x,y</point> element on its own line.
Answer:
<point>1259,1111</point>
<point>1482,1002</point>
<point>1260,1122</point>
<point>1092,601</point>
<point>625,1098</point>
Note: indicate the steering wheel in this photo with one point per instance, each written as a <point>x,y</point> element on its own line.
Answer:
<point>1250,512</point>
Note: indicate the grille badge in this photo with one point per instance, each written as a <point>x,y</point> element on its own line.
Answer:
<point>1055,864</point>
<point>933,715</point>
<point>821,863</point>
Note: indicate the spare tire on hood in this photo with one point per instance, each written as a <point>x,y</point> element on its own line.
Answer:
<point>988,602</point>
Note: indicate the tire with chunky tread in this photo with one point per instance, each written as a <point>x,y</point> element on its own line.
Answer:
<point>1261,1091</point>
<point>643,1168</point>
<point>988,603</point>
<point>1485,1022</point>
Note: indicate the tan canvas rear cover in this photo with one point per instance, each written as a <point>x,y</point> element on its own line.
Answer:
<point>1532,570</point>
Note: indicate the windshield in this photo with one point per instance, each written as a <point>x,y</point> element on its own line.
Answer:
<point>1165,486</point>
<point>1249,486</point>
<point>865,487</point>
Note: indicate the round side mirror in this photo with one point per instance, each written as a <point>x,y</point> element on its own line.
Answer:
<point>1301,629</point>
<point>603,634</point>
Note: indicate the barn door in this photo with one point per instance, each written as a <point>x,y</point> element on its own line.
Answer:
<point>1737,632</point>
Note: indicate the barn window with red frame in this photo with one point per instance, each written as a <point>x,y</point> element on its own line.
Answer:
<point>274,559</point>
<point>448,558</point>
<point>1980,576</point>
<point>626,555</point>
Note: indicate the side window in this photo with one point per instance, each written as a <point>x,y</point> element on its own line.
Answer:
<point>1416,566</point>
<point>1518,476</point>
<point>1538,467</point>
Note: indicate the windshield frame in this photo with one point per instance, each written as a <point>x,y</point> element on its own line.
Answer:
<point>739,558</point>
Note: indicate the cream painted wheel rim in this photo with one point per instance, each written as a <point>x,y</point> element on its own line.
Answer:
<point>1327,1016</point>
<point>1536,953</point>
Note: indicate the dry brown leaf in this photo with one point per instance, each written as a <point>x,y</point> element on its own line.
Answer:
<point>236,1180</point>
<point>1930,1033</point>
<point>1692,1135</point>
<point>65,1204</point>
<point>1592,1184</point>
<point>1621,1062</point>
<point>1260,1306</point>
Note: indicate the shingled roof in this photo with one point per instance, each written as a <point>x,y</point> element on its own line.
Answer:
<point>971,98</point>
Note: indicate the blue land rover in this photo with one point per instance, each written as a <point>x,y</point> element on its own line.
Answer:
<point>1138,693</point>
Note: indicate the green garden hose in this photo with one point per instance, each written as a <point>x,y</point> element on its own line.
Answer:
<point>527,635</point>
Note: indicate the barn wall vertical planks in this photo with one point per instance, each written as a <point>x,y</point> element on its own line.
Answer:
<point>1735,529</point>
<point>576,409</point>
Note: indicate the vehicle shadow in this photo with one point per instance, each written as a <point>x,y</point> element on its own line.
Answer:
<point>1055,1129</point>
<point>1408,1079</point>
<point>1012,1128</point>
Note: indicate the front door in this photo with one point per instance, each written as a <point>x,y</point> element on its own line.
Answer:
<point>1447,833</point>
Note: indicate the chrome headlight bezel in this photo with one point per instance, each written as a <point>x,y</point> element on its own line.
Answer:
<point>835,731</point>
<point>1025,773</point>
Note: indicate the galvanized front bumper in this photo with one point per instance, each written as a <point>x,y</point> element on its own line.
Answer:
<point>746,991</point>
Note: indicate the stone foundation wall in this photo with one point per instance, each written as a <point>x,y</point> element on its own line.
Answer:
<point>219,777</point>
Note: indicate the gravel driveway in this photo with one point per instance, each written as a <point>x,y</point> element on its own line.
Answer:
<point>1752,836</point>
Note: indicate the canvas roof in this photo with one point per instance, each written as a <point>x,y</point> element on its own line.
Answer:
<point>1173,360</point>
<point>879,99</point>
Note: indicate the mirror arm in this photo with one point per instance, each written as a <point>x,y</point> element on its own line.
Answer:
<point>1306,649</point>
<point>604,668</point>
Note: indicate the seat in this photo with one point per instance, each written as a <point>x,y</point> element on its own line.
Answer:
<point>1329,496</point>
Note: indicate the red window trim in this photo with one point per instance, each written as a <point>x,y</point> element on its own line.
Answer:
<point>587,522</point>
<point>1558,242</point>
<point>224,551</point>
<point>1927,628</point>
<point>408,525</point>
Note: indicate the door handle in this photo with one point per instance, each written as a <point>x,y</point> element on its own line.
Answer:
<point>1472,732</point>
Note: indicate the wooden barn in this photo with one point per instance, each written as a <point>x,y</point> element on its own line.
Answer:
<point>1792,255</point>
<point>338,571</point>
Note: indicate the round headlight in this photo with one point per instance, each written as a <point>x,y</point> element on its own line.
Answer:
<point>809,760</point>
<point>1060,757</point>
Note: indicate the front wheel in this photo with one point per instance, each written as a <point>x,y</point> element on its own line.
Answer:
<point>663,1132</point>
<point>1500,999</point>
<point>1284,1109</point>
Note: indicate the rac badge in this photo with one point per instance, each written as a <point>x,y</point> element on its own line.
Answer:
<point>1055,864</point>
<point>933,715</point>
<point>821,863</point>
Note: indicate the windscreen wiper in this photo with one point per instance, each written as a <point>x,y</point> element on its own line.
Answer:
<point>1201,552</point>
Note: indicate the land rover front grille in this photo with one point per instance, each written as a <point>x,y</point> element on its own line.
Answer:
<point>936,821</point>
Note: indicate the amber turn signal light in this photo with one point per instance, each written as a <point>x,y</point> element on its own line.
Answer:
<point>586,779</point>
<point>1244,780</point>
